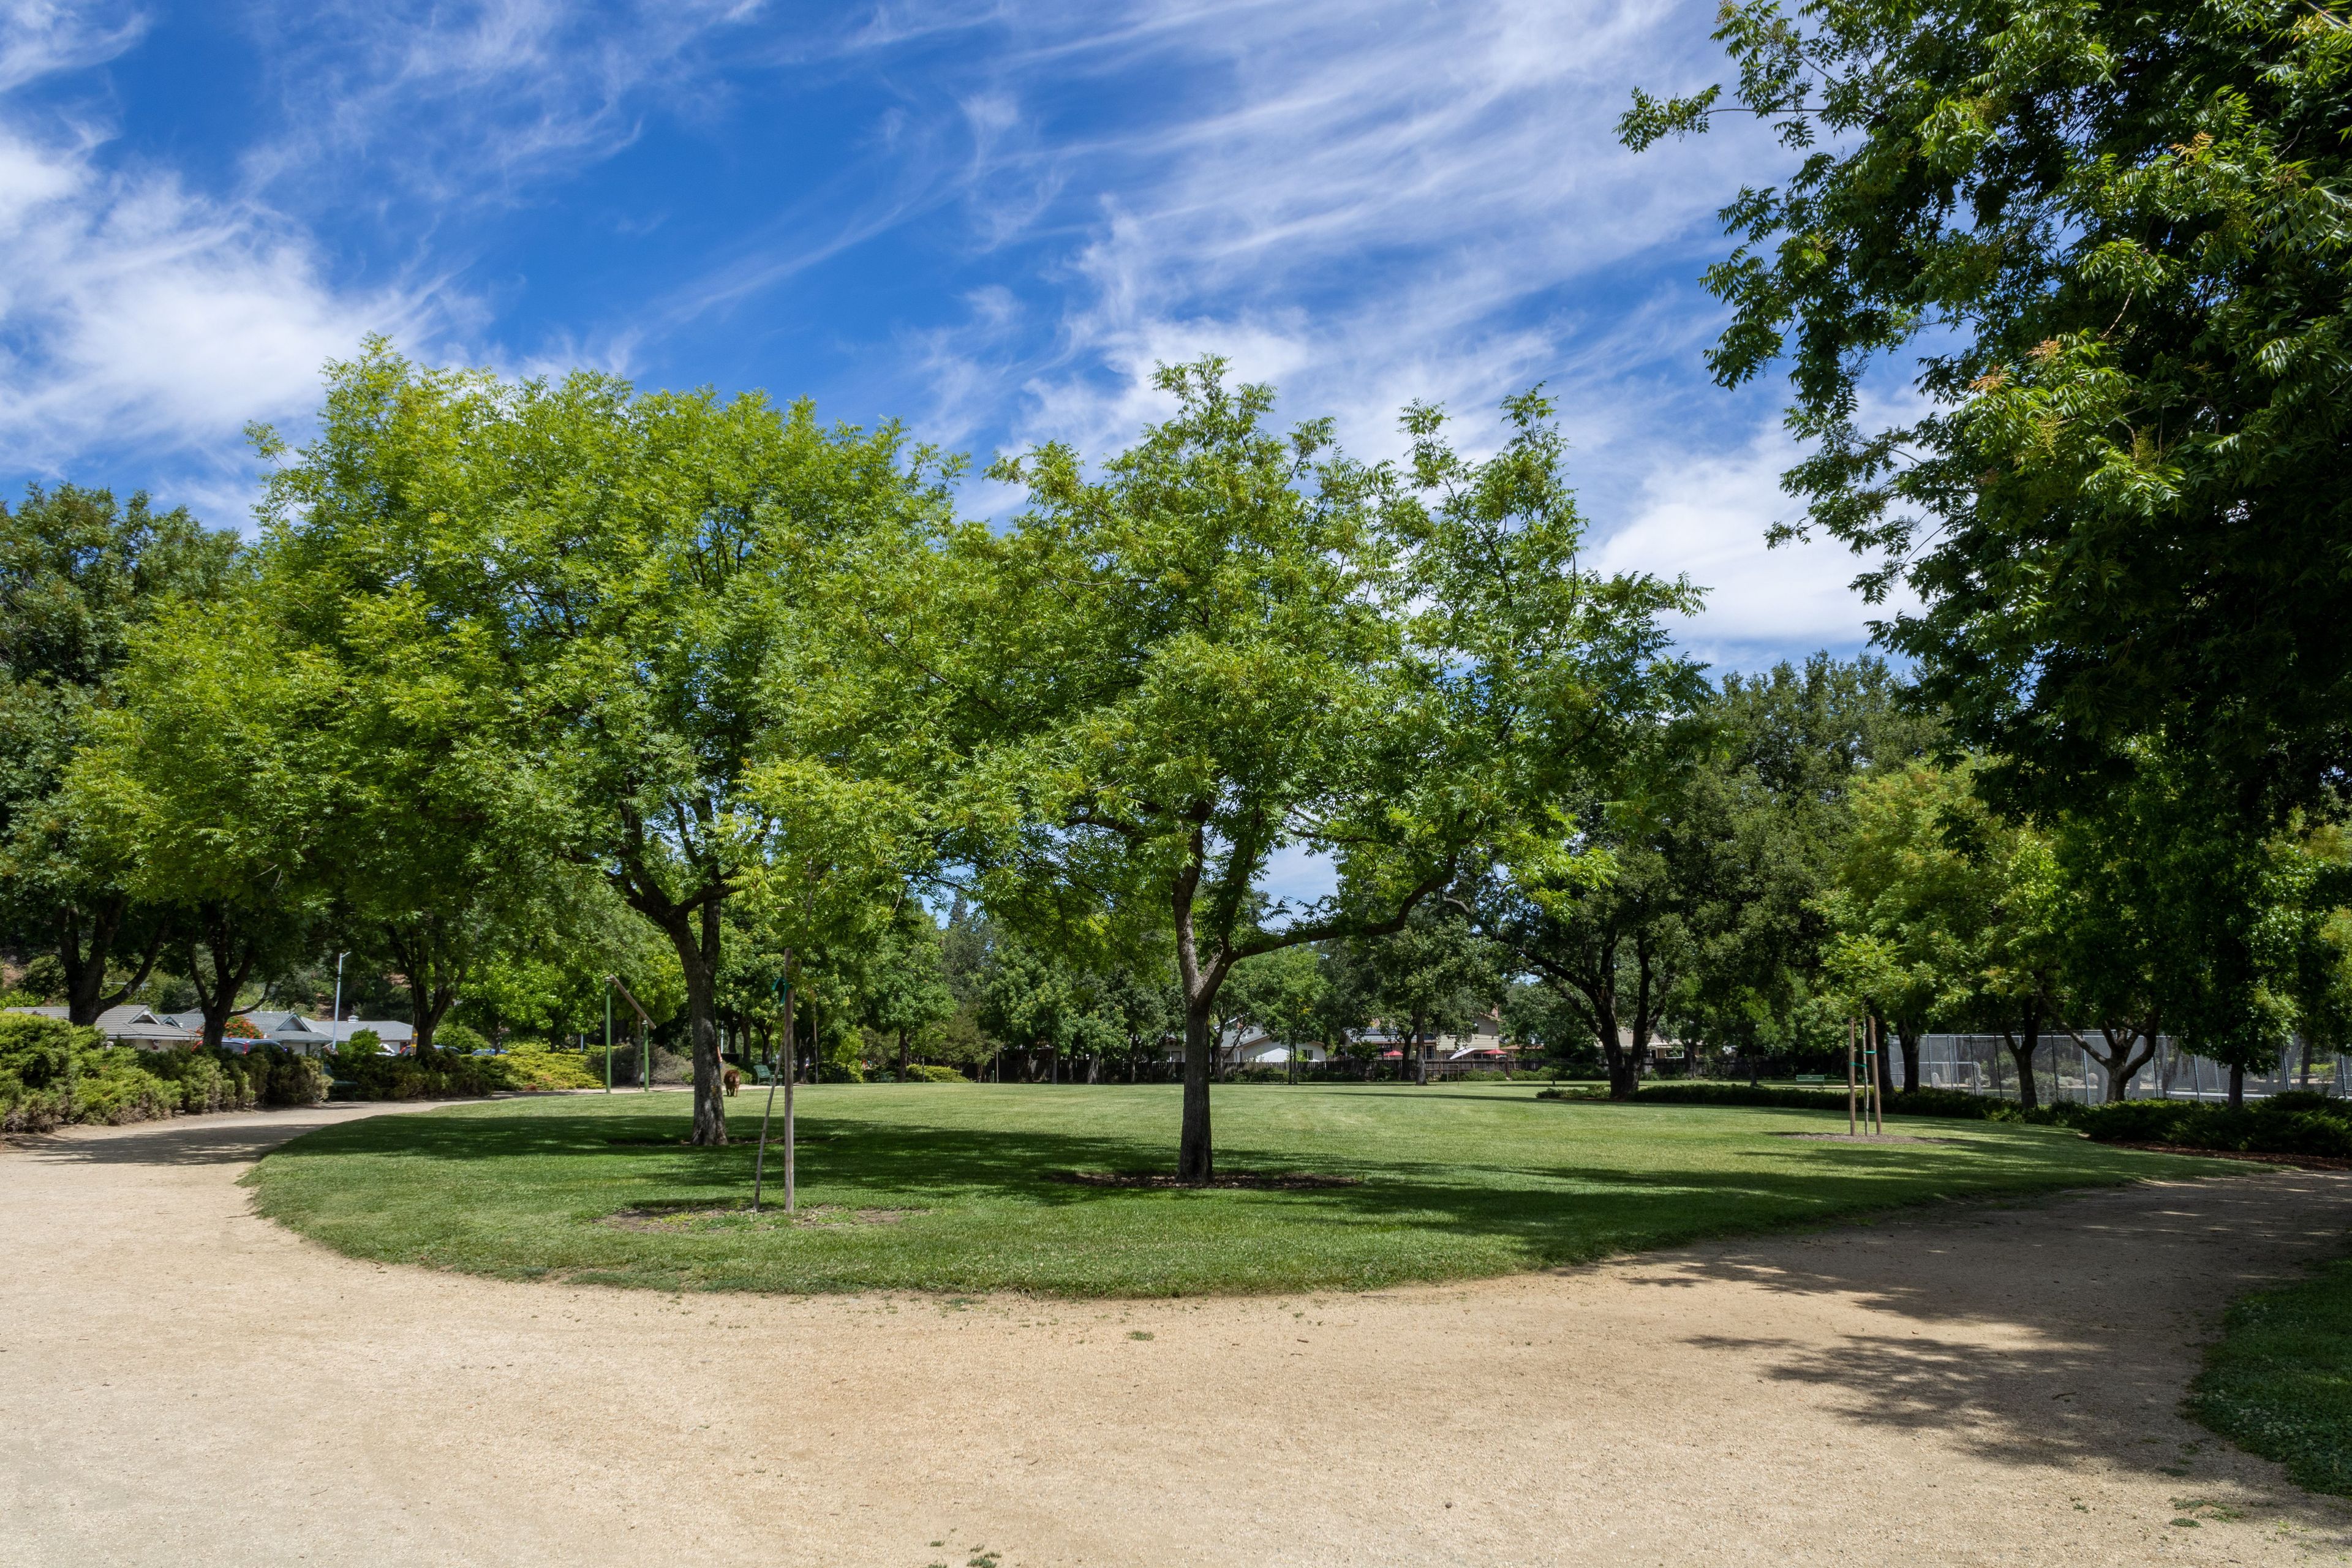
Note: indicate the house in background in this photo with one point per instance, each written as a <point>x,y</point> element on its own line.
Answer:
<point>131,1025</point>
<point>1481,1046</point>
<point>290,1030</point>
<point>153,1031</point>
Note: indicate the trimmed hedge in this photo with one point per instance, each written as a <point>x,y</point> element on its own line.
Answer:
<point>53,1073</point>
<point>1951,1103</point>
<point>2284,1124</point>
<point>430,1074</point>
<point>2298,1123</point>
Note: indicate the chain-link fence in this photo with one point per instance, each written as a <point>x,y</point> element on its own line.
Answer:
<point>1981,1064</point>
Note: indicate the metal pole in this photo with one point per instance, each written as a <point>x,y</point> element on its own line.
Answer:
<point>339,999</point>
<point>790,1078</point>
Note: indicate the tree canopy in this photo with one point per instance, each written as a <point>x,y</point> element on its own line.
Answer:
<point>2110,239</point>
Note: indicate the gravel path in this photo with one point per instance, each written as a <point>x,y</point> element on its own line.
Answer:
<point>184,1384</point>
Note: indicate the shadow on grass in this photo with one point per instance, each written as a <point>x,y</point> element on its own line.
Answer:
<point>1548,1214</point>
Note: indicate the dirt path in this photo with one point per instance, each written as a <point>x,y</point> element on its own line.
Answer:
<point>184,1384</point>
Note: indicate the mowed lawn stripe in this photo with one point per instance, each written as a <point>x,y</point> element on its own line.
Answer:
<point>963,1188</point>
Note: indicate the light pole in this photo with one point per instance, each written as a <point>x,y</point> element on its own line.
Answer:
<point>337,1035</point>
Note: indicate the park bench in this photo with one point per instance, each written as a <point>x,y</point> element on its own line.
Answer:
<point>1812,1078</point>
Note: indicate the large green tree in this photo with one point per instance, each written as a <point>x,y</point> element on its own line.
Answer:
<point>633,566</point>
<point>79,573</point>
<point>2109,242</point>
<point>1227,642</point>
<point>202,776</point>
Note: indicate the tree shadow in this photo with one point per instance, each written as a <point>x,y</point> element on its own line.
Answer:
<point>2043,1335</point>
<point>201,1140</point>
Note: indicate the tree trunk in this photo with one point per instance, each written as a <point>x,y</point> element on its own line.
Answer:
<point>1624,1068</point>
<point>2029,1095</point>
<point>2237,1085</point>
<point>1886,1066</point>
<point>85,960</point>
<point>699,960</point>
<point>1420,1059</point>
<point>1906,1035</point>
<point>218,1000</point>
<point>2123,1058</point>
<point>902,1056</point>
<point>1193,1159</point>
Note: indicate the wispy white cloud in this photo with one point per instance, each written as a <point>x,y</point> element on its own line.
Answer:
<point>40,38</point>
<point>1377,201</point>
<point>135,314</point>
<point>471,101</point>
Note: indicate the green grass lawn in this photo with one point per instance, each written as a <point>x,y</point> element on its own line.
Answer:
<point>956,1189</point>
<point>2279,1383</point>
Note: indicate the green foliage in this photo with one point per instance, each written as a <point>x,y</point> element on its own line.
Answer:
<point>430,1074</point>
<point>459,1040</point>
<point>79,574</point>
<point>2114,239</point>
<point>52,1073</point>
<point>927,1072</point>
<point>45,977</point>
<point>617,584</point>
<point>2279,1382</point>
<point>539,1069</point>
<point>1950,1103</point>
<point>2282,1124</point>
<point>1223,643</point>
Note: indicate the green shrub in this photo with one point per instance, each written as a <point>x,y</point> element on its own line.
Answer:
<point>430,1074</point>
<point>1947,1102</point>
<point>458,1039</point>
<point>53,1073</point>
<point>539,1069</point>
<point>927,1072</point>
<point>2284,1124</point>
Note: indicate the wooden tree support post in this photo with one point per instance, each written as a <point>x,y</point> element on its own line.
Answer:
<point>645,1032</point>
<point>1877,1101</point>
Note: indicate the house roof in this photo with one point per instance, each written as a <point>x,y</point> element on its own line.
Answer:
<point>124,1023</point>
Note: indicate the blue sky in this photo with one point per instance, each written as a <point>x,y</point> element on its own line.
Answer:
<point>987,220</point>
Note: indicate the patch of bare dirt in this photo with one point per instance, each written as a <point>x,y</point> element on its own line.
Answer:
<point>728,1215</point>
<point>1249,1181</point>
<point>1866,1138</point>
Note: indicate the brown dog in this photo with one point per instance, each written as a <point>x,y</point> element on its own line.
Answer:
<point>734,1080</point>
